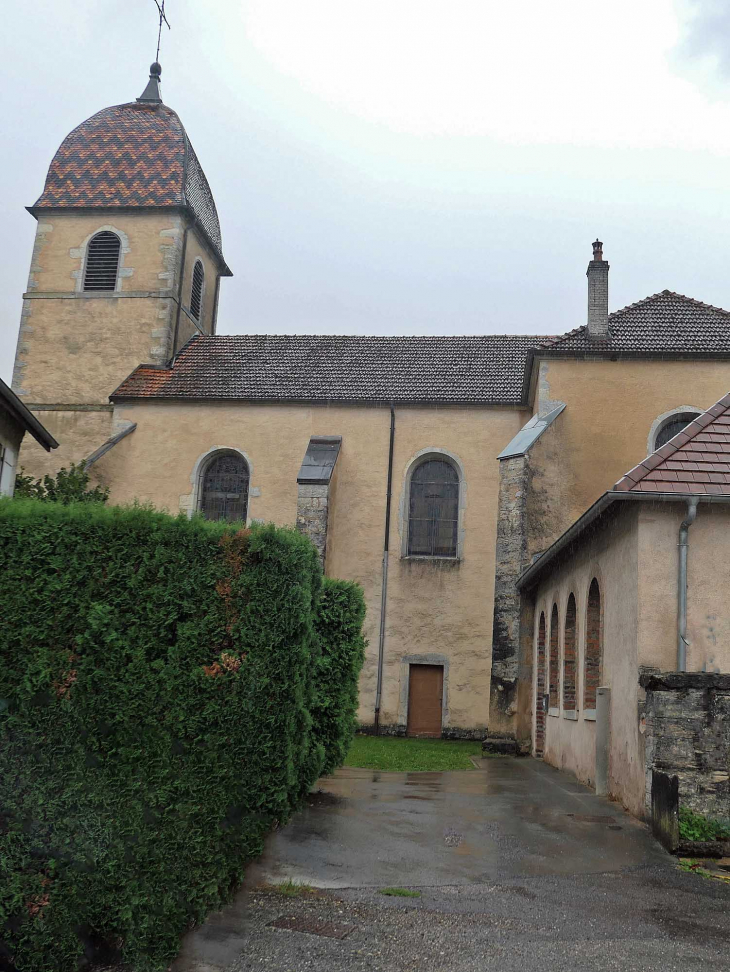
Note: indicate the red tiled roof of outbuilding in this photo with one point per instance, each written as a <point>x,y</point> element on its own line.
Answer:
<point>695,461</point>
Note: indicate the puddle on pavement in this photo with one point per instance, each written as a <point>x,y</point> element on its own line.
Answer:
<point>323,798</point>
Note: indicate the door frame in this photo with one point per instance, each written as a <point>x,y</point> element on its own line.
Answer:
<point>431,658</point>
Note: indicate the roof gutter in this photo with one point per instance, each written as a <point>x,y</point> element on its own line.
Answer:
<point>531,576</point>
<point>23,416</point>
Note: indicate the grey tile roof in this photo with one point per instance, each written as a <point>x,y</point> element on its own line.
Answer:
<point>485,370</point>
<point>664,324</point>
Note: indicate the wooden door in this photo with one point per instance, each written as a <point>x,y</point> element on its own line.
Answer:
<point>425,697</point>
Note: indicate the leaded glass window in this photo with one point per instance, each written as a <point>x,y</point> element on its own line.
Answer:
<point>433,510</point>
<point>224,493</point>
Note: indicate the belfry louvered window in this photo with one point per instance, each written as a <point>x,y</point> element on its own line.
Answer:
<point>196,290</point>
<point>102,262</point>
<point>224,488</point>
<point>433,510</point>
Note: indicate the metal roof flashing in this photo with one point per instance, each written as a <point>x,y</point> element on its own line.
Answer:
<point>319,460</point>
<point>530,433</point>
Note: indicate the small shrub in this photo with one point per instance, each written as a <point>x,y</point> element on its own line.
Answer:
<point>695,826</point>
<point>67,486</point>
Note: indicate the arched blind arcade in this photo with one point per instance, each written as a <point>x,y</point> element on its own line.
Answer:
<point>224,489</point>
<point>433,510</point>
<point>569,656</point>
<point>196,291</point>
<point>554,664</point>
<point>102,262</point>
<point>593,646</point>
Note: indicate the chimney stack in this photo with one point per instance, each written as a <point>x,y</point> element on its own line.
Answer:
<point>597,274</point>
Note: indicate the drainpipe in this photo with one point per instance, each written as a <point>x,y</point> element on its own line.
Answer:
<point>384,590</point>
<point>682,584</point>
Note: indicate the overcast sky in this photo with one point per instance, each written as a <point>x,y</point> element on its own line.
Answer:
<point>404,166</point>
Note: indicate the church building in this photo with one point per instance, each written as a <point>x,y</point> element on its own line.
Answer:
<point>432,470</point>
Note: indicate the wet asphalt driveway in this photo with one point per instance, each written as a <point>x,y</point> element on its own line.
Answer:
<point>519,868</point>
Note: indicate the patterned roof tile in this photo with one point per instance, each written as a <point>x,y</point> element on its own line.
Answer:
<point>131,155</point>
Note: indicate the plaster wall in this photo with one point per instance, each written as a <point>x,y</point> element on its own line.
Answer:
<point>708,583</point>
<point>610,554</point>
<point>434,607</point>
<point>11,435</point>
<point>74,348</point>
<point>78,433</point>
<point>611,406</point>
<point>196,250</point>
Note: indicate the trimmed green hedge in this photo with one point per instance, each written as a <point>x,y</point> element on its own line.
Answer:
<point>339,624</point>
<point>158,678</point>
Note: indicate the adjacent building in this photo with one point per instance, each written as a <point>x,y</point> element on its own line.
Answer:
<point>15,421</point>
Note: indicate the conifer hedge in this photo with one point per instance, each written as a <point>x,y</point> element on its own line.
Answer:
<point>338,622</point>
<point>159,677</point>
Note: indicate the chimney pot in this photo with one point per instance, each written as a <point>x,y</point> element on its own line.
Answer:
<point>597,274</point>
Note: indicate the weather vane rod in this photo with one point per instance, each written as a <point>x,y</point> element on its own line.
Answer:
<point>163,20</point>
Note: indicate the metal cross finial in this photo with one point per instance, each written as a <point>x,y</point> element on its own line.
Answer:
<point>163,20</point>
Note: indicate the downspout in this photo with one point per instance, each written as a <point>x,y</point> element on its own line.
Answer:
<point>384,590</point>
<point>682,584</point>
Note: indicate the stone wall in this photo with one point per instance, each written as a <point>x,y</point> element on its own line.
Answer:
<point>312,514</point>
<point>688,736</point>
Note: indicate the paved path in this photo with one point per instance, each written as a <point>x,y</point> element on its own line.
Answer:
<point>519,867</point>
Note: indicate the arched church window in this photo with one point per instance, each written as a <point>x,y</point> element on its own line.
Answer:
<point>672,426</point>
<point>102,261</point>
<point>224,488</point>
<point>196,290</point>
<point>433,510</point>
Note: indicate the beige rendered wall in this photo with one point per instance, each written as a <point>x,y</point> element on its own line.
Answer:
<point>439,609</point>
<point>611,406</point>
<point>610,554</point>
<point>187,327</point>
<point>74,348</point>
<point>708,584</point>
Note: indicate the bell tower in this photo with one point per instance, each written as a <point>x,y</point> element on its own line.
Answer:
<point>126,268</point>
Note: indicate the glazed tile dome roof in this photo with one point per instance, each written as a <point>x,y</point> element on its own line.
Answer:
<point>132,155</point>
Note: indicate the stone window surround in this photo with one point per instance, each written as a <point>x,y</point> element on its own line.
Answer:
<point>661,420</point>
<point>190,502</point>
<point>429,658</point>
<point>413,463</point>
<point>545,605</point>
<point>79,253</point>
